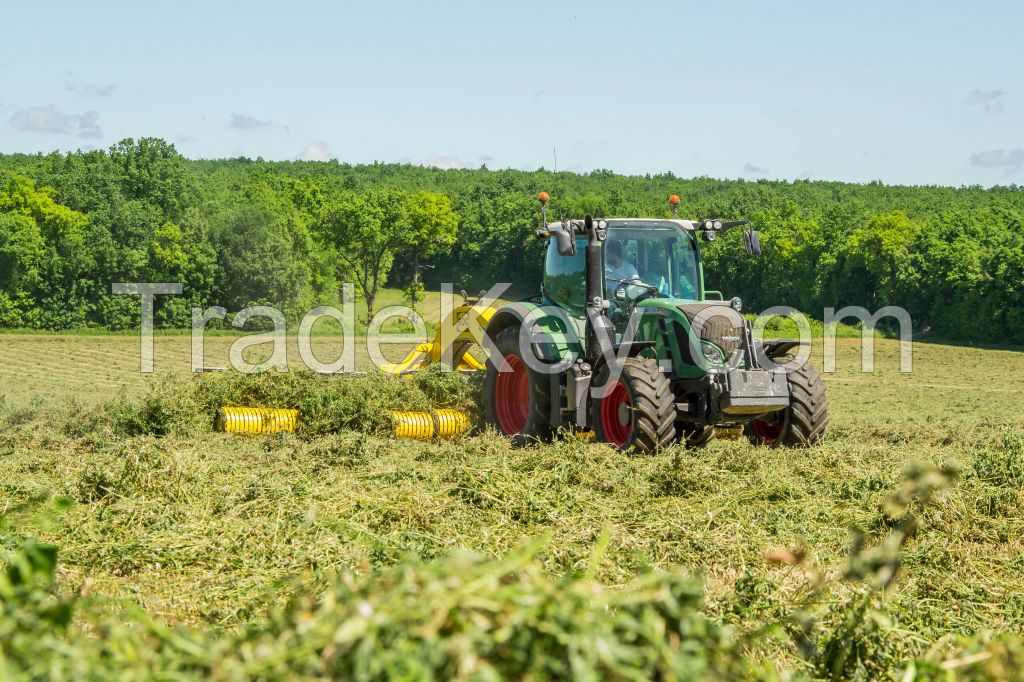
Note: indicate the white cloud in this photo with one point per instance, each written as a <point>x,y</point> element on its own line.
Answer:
<point>316,151</point>
<point>89,125</point>
<point>989,100</point>
<point>443,162</point>
<point>246,122</point>
<point>41,120</point>
<point>49,119</point>
<point>751,169</point>
<point>998,158</point>
<point>88,89</point>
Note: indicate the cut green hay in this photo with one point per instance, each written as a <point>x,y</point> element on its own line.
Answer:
<point>470,618</point>
<point>217,533</point>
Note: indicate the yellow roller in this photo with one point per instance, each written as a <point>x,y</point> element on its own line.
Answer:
<point>427,425</point>
<point>255,420</point>
<point>450,423</point>
<point>415,425</point>
<point>442,423</point>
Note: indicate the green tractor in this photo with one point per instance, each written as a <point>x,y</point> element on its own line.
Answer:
<point>624,340</point>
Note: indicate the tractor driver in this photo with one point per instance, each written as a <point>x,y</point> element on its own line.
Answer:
<point>616,268</point>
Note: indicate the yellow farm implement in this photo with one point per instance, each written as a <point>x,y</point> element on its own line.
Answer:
<point>459,327</point>
<point>452,345</point>
<point>255,420</point>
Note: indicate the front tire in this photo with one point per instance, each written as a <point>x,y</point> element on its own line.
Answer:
<point>638,407</point>
<point>517,401</point>
<point>803,423</point>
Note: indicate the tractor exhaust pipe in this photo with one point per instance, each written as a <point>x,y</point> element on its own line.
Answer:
<point>599,330</point>
<point>599,327</point>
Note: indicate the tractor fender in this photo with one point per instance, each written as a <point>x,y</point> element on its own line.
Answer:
<point>767,351</point>
<point>779,347</point>
<point>550,320</point>
<point>511,315</point>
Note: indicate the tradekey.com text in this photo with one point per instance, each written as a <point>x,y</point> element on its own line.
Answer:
<point>468,326</point>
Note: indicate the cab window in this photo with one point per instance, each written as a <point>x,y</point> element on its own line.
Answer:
<point>565,280</point>
<point>687,276</point>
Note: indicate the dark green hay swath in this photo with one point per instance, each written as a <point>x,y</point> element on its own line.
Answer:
<point>327,404</point>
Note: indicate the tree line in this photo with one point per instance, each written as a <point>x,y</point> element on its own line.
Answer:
<point>238,232</point>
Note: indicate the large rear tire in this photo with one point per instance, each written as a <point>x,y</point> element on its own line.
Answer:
<point>638,408</point>
<point>803,423</point>
<point>517,402</point>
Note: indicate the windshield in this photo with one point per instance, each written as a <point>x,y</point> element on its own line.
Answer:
<point>663,256</point>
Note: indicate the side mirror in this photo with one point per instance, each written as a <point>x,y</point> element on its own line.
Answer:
<point>565,242</point>
<point>752,242</point>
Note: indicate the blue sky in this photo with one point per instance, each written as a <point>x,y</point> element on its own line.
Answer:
<point>903,92</point>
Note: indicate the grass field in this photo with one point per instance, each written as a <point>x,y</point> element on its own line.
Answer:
<point>211,531</point>
<point>93,367</point>
<point>49,368</point>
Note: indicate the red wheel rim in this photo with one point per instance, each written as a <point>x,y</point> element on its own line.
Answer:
<point>617,415</point>
<point>512,396</point>
<point>767,432</point>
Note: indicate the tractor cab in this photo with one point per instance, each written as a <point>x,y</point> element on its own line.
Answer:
<point>651,258</point>
<point>641,259</point>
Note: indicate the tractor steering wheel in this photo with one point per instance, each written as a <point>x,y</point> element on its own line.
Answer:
<point>651,291</point>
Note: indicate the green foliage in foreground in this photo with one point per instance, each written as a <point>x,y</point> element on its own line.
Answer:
<point>457,618</point>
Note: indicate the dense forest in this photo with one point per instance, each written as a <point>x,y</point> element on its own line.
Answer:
<point>239,231</point>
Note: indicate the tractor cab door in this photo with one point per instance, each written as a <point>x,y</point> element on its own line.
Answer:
<point>565,278</point>
<point>646,260</point>
<point>653,263</point>
<point>687,283</point>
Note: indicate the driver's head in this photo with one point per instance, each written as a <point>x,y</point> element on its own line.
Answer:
<point>614,250</point>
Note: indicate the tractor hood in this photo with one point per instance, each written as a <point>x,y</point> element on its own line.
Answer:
<point>717,323</point>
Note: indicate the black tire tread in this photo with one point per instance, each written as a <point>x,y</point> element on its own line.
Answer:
<point>806,418</point>
<point>653,405</point>
<point>538,422</point>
